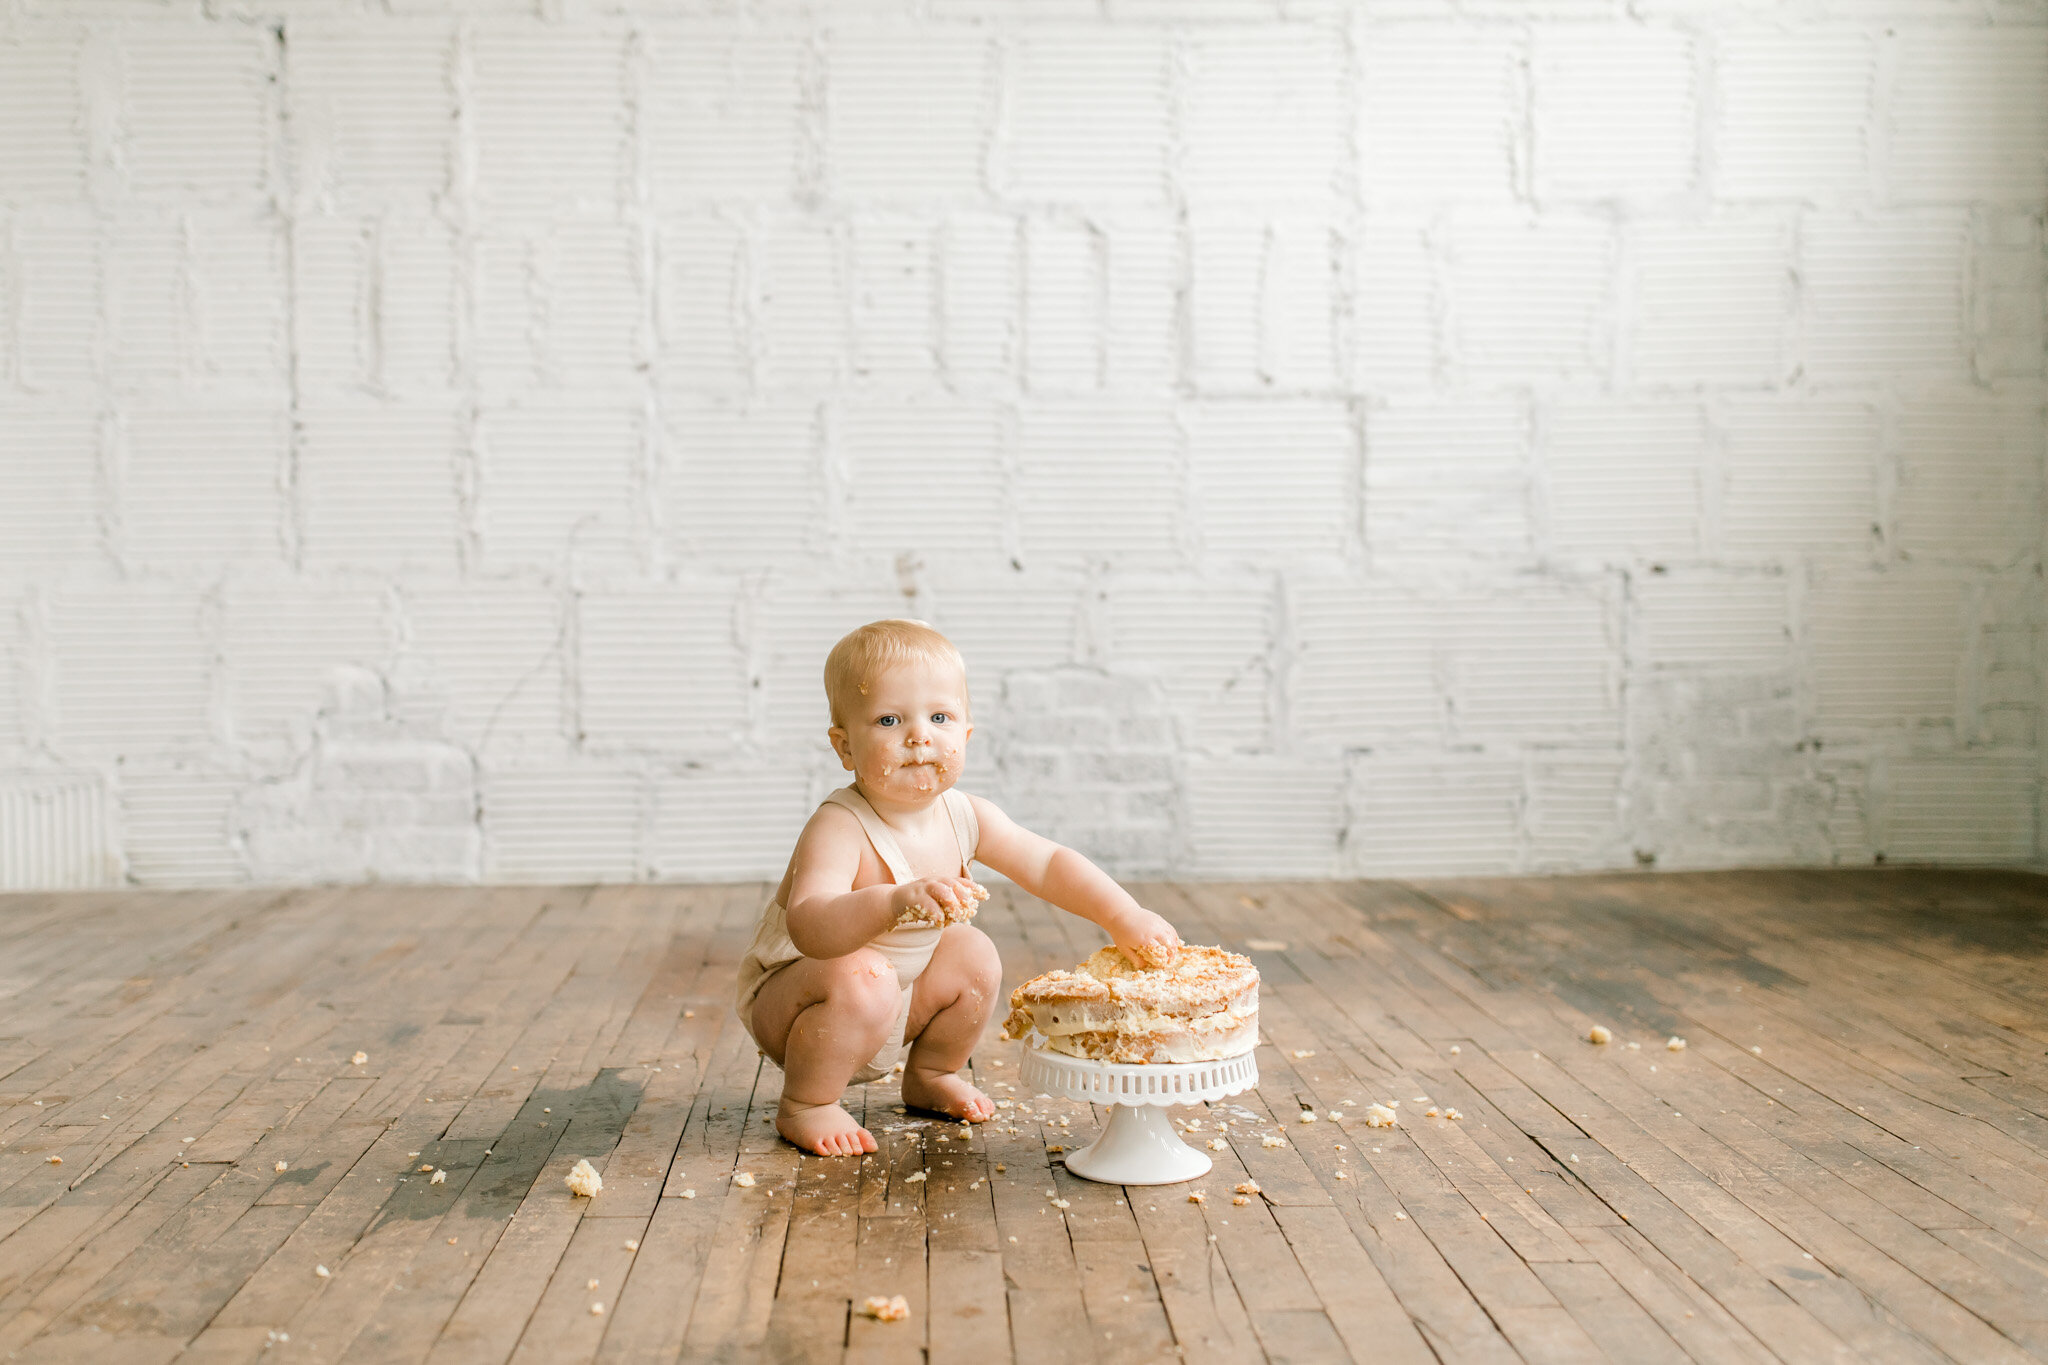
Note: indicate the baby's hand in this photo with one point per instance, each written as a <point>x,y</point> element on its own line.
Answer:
<point>937,900</point>
<point>1148,940</point>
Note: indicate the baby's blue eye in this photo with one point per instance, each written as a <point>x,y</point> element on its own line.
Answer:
<point>940,717</point>
<point>886,720</point>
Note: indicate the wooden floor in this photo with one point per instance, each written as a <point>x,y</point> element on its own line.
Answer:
<point>1847,1161</point>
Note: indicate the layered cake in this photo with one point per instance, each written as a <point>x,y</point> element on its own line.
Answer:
<point>1200,1006</point>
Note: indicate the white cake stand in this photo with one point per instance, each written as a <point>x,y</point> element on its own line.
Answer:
<point>1137,1146</point>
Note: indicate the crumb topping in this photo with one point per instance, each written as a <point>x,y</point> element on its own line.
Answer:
<point>1198,981</point>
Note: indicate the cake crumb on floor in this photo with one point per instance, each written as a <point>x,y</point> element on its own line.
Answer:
<point>893,1309</point>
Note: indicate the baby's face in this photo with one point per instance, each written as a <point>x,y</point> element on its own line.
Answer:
<point>905,737</point>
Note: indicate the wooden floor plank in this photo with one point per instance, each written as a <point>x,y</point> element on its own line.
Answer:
<point>1361,1305</point>
<point>651,1315</point>
<point>1194,1285</point>
<point>1871,1181</point>
<point>1922,1279</point>
<point>1795,1104</point>
<point>968,1317</point>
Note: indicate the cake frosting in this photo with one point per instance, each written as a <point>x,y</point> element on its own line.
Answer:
<point>1202,1005</point>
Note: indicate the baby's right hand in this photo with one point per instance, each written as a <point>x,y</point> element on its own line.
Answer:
<point>1148,940</point>
<point>937,900</point>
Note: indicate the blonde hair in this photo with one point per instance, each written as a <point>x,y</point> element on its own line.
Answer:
<point>879,645</point>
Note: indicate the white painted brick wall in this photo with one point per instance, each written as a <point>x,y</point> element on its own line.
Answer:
<point>1438,114</point>
<point>1263,114</point>
<point>1623,478</point>
<point>1708,302</point>
<point>440,440</point>
<point>1089,463</point>
<point>1531,298</point>
<point>723,111</point>
<point>377,486</point>
<point>658,668</point>
<point>1592,80</point>
<point>1885,295</point>
<point>1793,122</point>
<point>15,683</point>
<point>49,458</point>
<point>1090,114</point>
<point>1447,478</point>
<point>1718,623</point>
<point>1799,476</point>
<point>178,829</point>
<point>57,822</point>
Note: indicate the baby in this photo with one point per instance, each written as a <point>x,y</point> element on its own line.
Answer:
<point>865,946</point>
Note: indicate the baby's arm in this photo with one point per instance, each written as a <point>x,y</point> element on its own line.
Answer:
<point>1056,873</point>
<point>827,918</point>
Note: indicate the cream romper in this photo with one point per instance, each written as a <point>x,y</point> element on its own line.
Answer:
<point>909,950</point>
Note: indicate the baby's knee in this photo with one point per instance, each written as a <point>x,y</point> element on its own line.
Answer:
<point>978,956</point>
<point>867,984</point>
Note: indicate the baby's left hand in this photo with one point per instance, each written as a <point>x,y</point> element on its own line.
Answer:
<point>1147,940</point>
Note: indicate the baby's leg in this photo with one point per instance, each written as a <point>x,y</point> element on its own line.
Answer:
<point>819,1019</point>
<point>950,1004</point>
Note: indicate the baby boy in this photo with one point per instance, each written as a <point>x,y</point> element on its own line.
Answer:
<point>866,946</point>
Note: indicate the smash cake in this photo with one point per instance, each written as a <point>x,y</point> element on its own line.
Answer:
<point>1197,1005</point>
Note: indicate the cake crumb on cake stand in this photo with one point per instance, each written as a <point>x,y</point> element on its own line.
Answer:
<point>1137,1145</point>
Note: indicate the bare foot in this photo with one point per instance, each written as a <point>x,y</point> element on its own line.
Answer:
<point>825,1129</point>
<point>946,1092</point>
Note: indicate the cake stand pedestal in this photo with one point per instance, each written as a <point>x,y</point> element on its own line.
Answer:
<point>1137,1146</point>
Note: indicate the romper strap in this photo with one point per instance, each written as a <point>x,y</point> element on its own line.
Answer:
<point>966,826</point>
<point>879,834</point>
<point>959,810</point>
